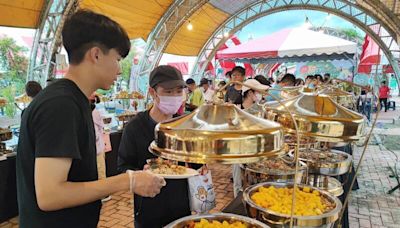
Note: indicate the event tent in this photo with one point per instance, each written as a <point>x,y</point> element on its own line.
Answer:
<point>290,45</point>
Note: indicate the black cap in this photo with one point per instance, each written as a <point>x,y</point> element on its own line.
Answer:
<point>167,77</point>
<point>203,81</point>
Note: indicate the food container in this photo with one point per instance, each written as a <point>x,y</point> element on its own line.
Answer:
<point>326,183</point>
<point>187,222</point>
<point>325,162</point>
<point>220,133</point>
<point>5,134</point>
<point>275,219</point>
<point>272,170</point>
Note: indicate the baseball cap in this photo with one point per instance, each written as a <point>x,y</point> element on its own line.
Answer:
<point>167,77</point>
<point>253,83</point>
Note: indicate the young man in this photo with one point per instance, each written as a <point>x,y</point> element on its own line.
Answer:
<point>234,92</point>
<point>195,98</point>
<point>287,80</point>
<point>384,92</point>
<point>56,161</point>
<point>208,93</point>
<point>166,88</point>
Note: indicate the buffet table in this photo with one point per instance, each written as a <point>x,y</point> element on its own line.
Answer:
<point>8,189</point>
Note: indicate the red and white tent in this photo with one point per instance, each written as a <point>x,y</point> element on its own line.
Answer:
<point>290,45</point>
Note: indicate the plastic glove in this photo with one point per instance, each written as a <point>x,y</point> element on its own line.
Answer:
<point>145,183</point>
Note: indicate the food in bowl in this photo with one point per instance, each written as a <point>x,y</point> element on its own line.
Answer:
<point>204,223</point>
<point>161,166</point>
<point>308,202</point>
<point>325,156</point>
<point>275,165</point>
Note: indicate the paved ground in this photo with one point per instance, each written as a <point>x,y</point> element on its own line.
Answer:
<point>370,206</point>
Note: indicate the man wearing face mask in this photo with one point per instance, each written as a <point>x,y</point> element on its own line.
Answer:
<point>166,88</point>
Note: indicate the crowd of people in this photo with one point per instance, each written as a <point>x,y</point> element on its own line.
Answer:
<point>58,181</point>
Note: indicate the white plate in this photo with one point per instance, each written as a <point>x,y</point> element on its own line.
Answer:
<point>189,173</point>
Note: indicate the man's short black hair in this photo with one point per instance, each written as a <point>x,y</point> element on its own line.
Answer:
<point>327,75</point>
<point>289,79</point>
<point>86,29</point>
<point>32,88</point>
<point>239,69</point>
<point>384,82</point>
<point>228,74</point>
<point>190,81</point>
<point>310,77</point>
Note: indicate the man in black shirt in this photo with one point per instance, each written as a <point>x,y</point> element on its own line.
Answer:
<point>234,92</point>
<point>56,161</point>
<point>166,88</point>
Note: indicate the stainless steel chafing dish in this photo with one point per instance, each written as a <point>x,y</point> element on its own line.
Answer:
<point>186,222</point>
<point>255,173</point>
<point>218,133</point>
<point>275,219</point>
<point>317,116</point>
<point>320,166</point>
<point>341,97</point>
<point>5,134</point>
<point>326,183</point>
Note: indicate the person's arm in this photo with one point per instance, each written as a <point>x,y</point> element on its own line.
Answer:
<point>127,151</point>
<point>55,192</point>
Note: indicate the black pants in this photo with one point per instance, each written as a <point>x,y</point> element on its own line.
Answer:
<point>385,103</point>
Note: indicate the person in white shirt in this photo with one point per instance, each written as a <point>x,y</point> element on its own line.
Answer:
<point>208,93</point>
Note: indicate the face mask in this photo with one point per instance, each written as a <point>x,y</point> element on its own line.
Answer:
<point>170,105</point>
<point>258,97</point>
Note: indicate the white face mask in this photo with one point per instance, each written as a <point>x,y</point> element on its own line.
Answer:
<point>170,105</point>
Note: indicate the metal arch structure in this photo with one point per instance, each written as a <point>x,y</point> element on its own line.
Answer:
<point>176,15</point>
<point>48,39</point>
<point>344,9</point>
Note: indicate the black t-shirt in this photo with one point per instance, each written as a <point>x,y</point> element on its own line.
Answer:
<point>58,123</point>
<point>173,201</point>
<point>232,95</point>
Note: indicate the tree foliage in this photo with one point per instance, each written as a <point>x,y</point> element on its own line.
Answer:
<point>13,69</point>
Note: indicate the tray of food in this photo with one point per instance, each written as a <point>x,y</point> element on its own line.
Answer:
<point>5,134</point>
<point>271,203</point>
<point>272,170</point>
<point>126,116</point>
<point>217,220</point>
<point>326,162</point>
<point>305,142</point>
<point>169,169</point>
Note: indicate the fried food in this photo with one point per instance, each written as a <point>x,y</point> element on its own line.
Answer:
<point>161,166</point>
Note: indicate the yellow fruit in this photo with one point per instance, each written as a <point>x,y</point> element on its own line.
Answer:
<point>308,201</point>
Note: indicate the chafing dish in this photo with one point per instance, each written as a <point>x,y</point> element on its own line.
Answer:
<point>275,219</point>
<point>325,162</point>
<point>272,170</point>
<point>5,134</point>
<point>326,183</point>
<point>218,133</point>
<point>341,97</point>
<point>317,116</point>
<point>186,222</point>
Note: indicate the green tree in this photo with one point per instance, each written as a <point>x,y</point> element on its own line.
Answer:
<point>13,69</point>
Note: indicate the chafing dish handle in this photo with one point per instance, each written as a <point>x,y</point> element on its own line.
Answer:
<point>273,222</point>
